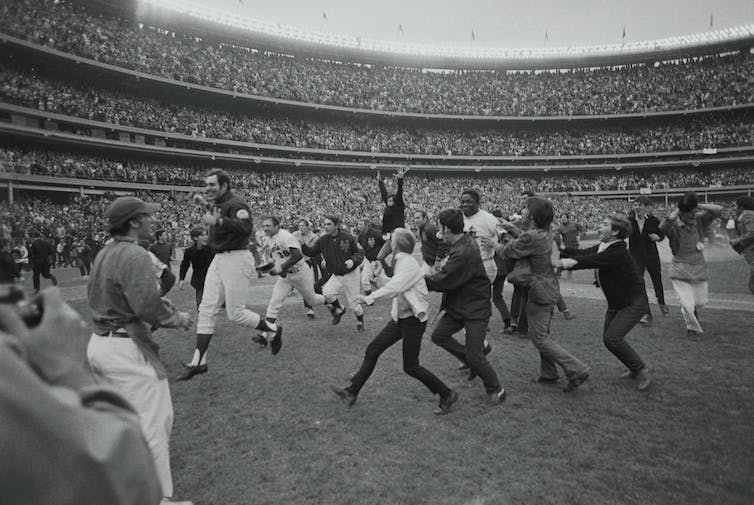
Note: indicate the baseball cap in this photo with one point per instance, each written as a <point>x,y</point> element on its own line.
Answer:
<point>126,207</point>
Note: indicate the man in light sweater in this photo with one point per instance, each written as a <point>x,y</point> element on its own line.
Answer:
<point>408,320</point>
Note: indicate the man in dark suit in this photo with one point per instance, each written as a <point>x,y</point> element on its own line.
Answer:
<point>642,243</point>
<point>41,254</point>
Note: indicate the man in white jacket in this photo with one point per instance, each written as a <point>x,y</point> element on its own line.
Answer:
<point>408,320</point>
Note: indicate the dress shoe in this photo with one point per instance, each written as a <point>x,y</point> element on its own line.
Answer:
<point>191,371</point>
<point>545,380</point>
<point>628,374</point>
<point>664,309</point>
<point>692,335</point>
<point>446,403</point>
<point>567,315</point>
<point>277,341</point>
<point>645,319</point>
<point>336,315</point>
<point>345,395</point>
<point>310,314</point>
<point>260,338</point>
<point>496,398</point>
<point>645,379</point>
<point>576,381</point>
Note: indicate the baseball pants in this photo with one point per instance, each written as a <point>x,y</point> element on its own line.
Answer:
<point>367,274</point>
<point>228,280</point>
<point>692,295</point>
<point>349,284</point>
<point>302,280</point>
<point>118,362</point>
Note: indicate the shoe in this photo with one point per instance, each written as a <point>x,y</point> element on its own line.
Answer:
<point>664,309</point>
<point>496,398</point>
<point>567,315</point>
<point>487,349</point>
<point>260,338</point>
<point>628,374</point>
<point>191,371</point>
<point>359,326</point>
<point>575,382</point>
<point>510,330</point>
<point>644,378</point>
<point>345,395</point>
<point>277,341</point>
<point>645,319</point>
<point>463,366</point>
<point>692,335</point>
<point>168,501</point>
<point>545,380</point>
<point>337,315</point>
<point>310,314</point>
<point>446,403</point>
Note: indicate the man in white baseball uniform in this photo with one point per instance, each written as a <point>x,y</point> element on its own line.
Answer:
<point>479,223</point>
<point>231,272</point>
<point>292,270</point>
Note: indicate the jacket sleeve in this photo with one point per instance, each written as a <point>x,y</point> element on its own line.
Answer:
<point>85,445</point>
<point>519,248</point>
<point>143,295</point>
<point>315,249</point>
<point>239,220</point>
<point>748,222</point>
<point>454,274</point>
<point>185,263</point>
<point>399,194</point>
<point>383,191</point>
<point>357,253</point>
<point>655,228</point>
<point>610,257</point>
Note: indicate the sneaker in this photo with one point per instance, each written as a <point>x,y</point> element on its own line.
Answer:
<point>310,313</point>
<point>496,398</point>
<point>575,382</point>
<point>277,341</point>
<point>664,309</point>
<point>337,315</point>
<point>567,315</point>
<point>446,403</point>
<point>345,395</point>
<point>646,319</point>
<point>359,326</point>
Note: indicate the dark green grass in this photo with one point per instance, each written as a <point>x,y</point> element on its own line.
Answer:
<point>263,429</point>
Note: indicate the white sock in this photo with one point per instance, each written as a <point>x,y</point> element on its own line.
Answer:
<point>195,359</point>
<point>204,358</point>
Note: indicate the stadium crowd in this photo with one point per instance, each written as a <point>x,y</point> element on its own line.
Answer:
<point>85,166</point>
<point>85,101</point>
<point>709,82</point>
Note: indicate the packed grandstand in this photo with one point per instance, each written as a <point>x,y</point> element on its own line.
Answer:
<point>97,101</point>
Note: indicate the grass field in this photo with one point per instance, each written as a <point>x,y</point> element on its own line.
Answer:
<point>263,429</point>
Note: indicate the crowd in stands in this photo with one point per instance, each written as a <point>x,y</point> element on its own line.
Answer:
<point>88,102</point>
<point>712,81</point>
<point>85,166</point>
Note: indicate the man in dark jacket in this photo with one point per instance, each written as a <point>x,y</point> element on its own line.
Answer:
<point>41,253</point>
<point>198,256</point>
<point>623,288</point>
<point>642,242</point>
<point>9,271</point>
<point>394,215</point>
<point>466,302</point>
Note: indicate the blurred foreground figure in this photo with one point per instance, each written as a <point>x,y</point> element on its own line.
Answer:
<point>743,244</point>
<point>65,439</point>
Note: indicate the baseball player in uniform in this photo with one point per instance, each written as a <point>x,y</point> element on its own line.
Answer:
<point>305,235</point>
<point>342,256</point>
<point>479,223</point>
<point>292,270</point>
<point>232,269</point>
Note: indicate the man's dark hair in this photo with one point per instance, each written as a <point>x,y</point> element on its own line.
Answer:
<point>335,219</point>
<point>642,200</point>
<point>158,234</point>
<point>540,211</point>
<point>473,193</point>
<point>222,177</point>
<point>423,213</point>
<point>621,225</point>
<point>497,213</point>
<point>745,202</point>
<point>196,231</point>
<point>451,219</point>
<point>275,221</point>
<point>566,214</point>
<point>528,193</point>
<point>688,202</point>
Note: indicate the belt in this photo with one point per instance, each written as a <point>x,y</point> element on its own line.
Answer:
<point>117,334</point>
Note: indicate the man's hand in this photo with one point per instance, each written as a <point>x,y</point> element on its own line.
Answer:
<point>377,268</point>
<point>401,172</point>
<point>349,264</point>
<point>181,283</point>
<point>568,263</point>
<point>379,177</point>
<point>209,219</point>
<point>654,237</point>
<point>361,299</point>
<point>186,321</point>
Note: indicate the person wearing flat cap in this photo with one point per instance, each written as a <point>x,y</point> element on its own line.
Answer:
<point>125,302</point>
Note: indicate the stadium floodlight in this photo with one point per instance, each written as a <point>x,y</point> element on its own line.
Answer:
<point>193,9</point>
